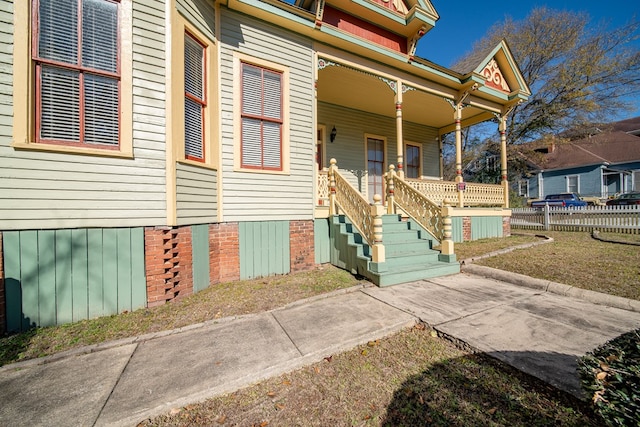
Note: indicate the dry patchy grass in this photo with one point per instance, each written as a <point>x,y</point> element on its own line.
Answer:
<point>412,378</point>
<point>217,301</point>
<point>576,259</point>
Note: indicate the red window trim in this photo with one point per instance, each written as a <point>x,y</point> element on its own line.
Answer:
<point>262,118</point>
<point>202,102</point>
<point>82,72</point>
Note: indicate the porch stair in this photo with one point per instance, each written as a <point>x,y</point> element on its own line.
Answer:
<point>409,252</point>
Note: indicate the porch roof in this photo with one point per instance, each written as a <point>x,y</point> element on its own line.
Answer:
<point>433,87</point>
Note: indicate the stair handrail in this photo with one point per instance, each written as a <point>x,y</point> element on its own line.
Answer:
<point>365,217</point>
<point>433,218</point>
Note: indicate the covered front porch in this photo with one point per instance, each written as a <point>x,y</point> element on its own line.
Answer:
<point>379,153</point>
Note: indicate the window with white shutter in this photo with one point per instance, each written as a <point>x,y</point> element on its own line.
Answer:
<point>261,118</point>
<point>194,98</point>
<point>76,59</point>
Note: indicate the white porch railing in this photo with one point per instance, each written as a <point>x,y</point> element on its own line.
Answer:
<point>613,219</point>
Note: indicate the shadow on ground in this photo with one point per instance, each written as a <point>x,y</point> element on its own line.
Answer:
<point>480,390</point>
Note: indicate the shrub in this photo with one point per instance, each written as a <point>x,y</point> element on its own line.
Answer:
<point>610,374</point>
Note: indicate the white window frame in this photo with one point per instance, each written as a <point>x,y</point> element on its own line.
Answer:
<point>568,183</point>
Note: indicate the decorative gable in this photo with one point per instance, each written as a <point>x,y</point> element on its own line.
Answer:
<point>395,5</point>
<point>494,77</point>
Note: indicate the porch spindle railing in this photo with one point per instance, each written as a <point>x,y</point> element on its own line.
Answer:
<point>365,217</point>
<point>474,194</point>
<point>323,188</point>
<point>417,205</point>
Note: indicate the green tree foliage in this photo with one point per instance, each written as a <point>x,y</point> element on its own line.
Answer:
<point>577,74</point>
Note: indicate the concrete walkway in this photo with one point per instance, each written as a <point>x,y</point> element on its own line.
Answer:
<point>124,382</point>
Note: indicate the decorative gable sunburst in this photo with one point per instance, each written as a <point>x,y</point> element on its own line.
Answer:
<point>494,77</point>
<point>395,5</point>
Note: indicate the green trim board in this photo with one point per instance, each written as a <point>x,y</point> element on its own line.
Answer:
<point>486,227</point>
<point>200,256</point>
<point>321,241</point>
<point>264,248</point>
<point>54,277</point>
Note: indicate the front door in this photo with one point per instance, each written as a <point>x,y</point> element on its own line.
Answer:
<point>375,167</point>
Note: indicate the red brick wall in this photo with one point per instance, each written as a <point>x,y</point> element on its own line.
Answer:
<point>301,245</point>
<point>466,229</point>
<point>506,226</point>
<point>224,252</point>
<point>3,307</point>
<point>168,264</point>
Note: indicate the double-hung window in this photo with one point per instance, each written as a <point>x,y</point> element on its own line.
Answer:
<point>261,118</point>
<point>194,98</point>
<point>412,161</point>
<point>75,53</point>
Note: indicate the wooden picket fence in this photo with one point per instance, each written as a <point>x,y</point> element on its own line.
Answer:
<point>612,219</point>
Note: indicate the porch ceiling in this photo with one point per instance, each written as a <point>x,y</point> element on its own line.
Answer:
<point>363,91</point>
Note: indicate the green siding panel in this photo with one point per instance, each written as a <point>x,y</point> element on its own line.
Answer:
<point>264,248</point>
<point>485,227</point>
<point>321,241</point>
<point>13,288</point>
<point>123,237</point>
<point>58,290</point>
<point>79,279</point>
<point>200,256</point>
<point>95,273</point>
<point>59,276</point>
<point>29,279</point>
<point>110,271</point>
<point>138,278</point>
<point>456,230</point>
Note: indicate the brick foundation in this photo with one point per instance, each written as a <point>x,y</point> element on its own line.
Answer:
<point>224,252</point>
<point>506,226</point>
<point>168,264</point>
<point>3,304</point>
<point>466,229</point>
<point>301,246</point>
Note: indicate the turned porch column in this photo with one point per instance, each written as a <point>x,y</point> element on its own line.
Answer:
<point>399,135</point>
<point>503,159</point>
<point>459,178</point>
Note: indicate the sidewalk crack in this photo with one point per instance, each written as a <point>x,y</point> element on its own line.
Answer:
<point>115,385</point>
<point>287,334</point>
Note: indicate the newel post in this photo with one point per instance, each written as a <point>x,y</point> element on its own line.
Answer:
<point>446,246</point>
<point>377,210</point>
<point>390,189</point>
<point>332,186</point>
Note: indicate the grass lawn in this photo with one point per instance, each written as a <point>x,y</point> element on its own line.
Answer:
<point>575,259</point>
<point>410,378</point>
<point>221,300</point>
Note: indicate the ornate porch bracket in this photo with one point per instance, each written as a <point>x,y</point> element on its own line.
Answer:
<point>391,83</point>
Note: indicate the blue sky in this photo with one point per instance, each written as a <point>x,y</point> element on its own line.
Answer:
<point>463,22</point>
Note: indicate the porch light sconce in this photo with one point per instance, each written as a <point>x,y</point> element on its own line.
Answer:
<point>332,135</point>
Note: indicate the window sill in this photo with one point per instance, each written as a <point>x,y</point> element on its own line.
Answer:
<point>197,164</point>
<point>72,150</point>
<point>261,171</point>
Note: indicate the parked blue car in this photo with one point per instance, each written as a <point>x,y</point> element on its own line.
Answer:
<point>560,200</point>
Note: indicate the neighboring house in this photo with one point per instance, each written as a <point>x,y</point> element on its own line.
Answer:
<point>600,165</point>
<point>150,148</point>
